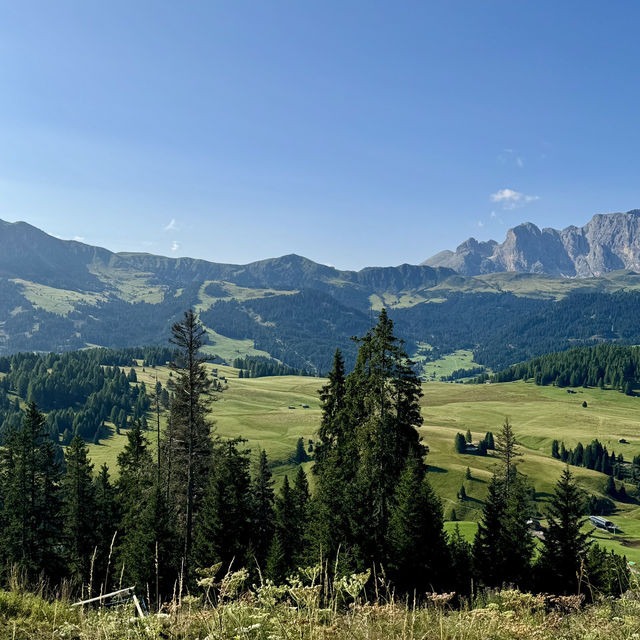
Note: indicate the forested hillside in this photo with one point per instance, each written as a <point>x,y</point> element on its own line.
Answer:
<point>58,296</point>
<point>608,365</point>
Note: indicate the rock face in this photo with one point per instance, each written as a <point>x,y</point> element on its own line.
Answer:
<point>607,243</point>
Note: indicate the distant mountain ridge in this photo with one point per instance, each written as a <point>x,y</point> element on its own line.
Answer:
<point>608,242</point>
<point>59,295</point>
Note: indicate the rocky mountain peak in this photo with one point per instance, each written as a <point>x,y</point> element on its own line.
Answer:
<point>608,242</point>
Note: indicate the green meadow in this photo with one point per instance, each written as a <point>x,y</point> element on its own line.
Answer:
<point>270,414</point>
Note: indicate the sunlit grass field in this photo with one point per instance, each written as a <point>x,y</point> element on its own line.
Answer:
<point>269,414</point>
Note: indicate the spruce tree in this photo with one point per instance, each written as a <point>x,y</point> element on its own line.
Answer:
<point>224,523</point>
<point>79,510</point>
<point>565,545</point>
<point>335,465</point>
<point>417,547</point>
<point>106,521</point>
<point>285,548</point>
<point>487,544</point>
<point>507,451</point>
<point>460,570</point>
<point>32,501</point>
<point>188,448</point>
<point>383,393</point>
<point>262,514</point>
<point>134,491</point>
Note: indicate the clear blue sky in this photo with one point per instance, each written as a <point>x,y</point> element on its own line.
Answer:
<point>354,133</point>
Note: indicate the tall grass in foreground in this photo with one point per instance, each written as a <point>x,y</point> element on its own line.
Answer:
<point>307,609</point>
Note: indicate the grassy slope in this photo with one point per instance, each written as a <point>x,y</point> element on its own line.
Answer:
<point>257,409</point>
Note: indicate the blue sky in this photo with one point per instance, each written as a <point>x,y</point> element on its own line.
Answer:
<point>354,133</point>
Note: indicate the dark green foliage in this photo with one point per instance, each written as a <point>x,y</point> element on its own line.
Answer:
<point>31,506</point>
<point>462,493</point>
<point>79,510</point>
<point>300,455</point>
<point>187,447</point>
<point>223,531</point>
<point>594,456</point>
<point>599,506</point>
<point>561,563</point>
<point>467,474</point>
<point>503,546</point>
<point>460,569</point>
<point>106,520</point>
<point>285,548</point>
<point>606,573</point>
<point>417,547</point>
<point>468,437</point>
<point>605,364</point>
<point>260,366</point>
<point>134,491</point>
<point>488,438</point>
<point>460,443</point>
<point>555,449</point>
<point>262,514</point>
<point>334,468</point>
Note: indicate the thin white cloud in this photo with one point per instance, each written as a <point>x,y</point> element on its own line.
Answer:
<point>175,246</point>
<point>78,238</point>
<point>510,199</point>
<point>509,156</point>
<point>493,214</point>
<point>480,223</point>
<point>171,226</point>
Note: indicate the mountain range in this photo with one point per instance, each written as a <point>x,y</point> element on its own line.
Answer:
<point>57,295</point>
<point>608,242</point>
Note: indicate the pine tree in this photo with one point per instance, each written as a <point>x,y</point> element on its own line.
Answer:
<point>224,524</point>
<point>79,510</point>
<point>301,453</point>
<point>565,545</point>
<point>488,540</point>
<point>384,394</point>
<point>507,450</point>
<point>31,509</point>
<point>335,465</point>
<point>417,547</point>
<point>467,474</point>
<point>262,515</point>
<point>106,521</point>
<point>460,443</point>
<point>134,491</point>
<point>460,570</point>
<point>468,437</point>
<point>188,449</point>
<point>285,548</point>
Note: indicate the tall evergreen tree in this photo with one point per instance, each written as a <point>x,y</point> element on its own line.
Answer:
<point>565,545</point>
<point>383,398</point>
<point>262,514</point>
<point>224,522</point>
<point>506,448</point>
<point>417,545</point>
<point>79,510</point>
<point>189,448</point>
<point>106,521</point>
<point>134,491</point>
<point>335,463</point>
<point>286,547</point>
<point>31,508</point>
<point>503,546</point>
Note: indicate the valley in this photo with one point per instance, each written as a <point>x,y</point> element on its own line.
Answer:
<point>258,410</point>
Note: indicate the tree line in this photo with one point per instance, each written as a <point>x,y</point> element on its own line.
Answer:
<point>610,365</point>
<point>260,366</point>
<point>194,504</point>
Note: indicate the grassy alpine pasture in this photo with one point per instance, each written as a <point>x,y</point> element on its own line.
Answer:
<point>258,409</point>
